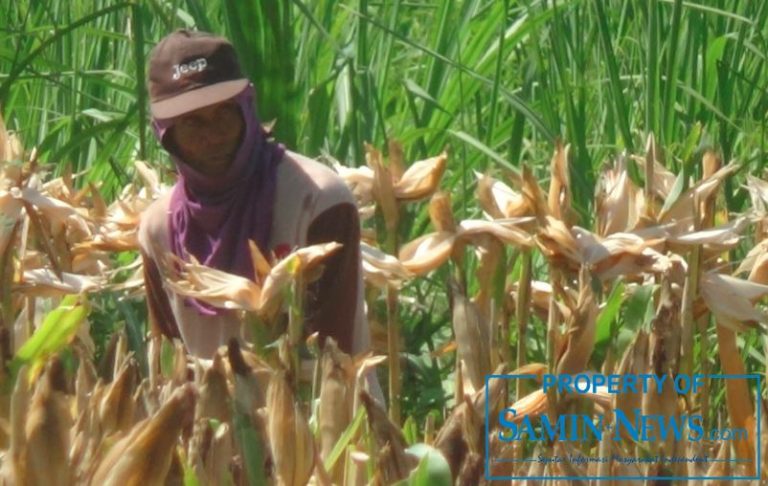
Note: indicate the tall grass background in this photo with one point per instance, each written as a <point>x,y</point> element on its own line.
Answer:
<point>497,82</point>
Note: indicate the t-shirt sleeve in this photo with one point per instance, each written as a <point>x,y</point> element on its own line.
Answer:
<point>332,300</point>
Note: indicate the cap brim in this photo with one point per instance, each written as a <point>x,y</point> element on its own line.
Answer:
<point>198,98</point>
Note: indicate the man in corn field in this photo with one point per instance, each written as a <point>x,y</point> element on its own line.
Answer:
<point>236,185</point>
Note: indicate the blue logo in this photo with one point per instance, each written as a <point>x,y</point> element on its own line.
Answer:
<point>634,438</point>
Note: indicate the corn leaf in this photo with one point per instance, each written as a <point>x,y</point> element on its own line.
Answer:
<point>58,328</point>
<point>433,469</point>
<point>345,439</point>
<point>608,315</point>
<point>253,454</point>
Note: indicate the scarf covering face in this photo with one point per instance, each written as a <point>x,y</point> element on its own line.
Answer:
<point>212,218</point>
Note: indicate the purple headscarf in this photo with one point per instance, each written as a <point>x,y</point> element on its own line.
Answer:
<point>212,218</point>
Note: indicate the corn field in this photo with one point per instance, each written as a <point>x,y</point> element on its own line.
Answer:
<point>545,188</point>
<point>242,418</point>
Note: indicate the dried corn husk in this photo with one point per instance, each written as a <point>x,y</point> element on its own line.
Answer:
<point>215,287</point>
<point>229,291</point>
<point>619,202</point>
<point>116,410</point>
<point>47,431</point>
<point>472,336</point>
<point>144,456</point>
<point>559,200</point>
<point>383,188</point>
<point>290,439</point>
<point>42,282</point>
<point>427,252</point>
<point>215,396</point>
<point>336,399</point>
<point>731,300</point>
<point>580,334</point>
<point>684,206</point>
<point>663,179</point>
<point>381,269</point>
<point>421,179</point>
<point>499,200</point>
<point>393,462</point>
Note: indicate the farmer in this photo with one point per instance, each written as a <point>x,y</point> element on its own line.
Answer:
<point>236,185</point>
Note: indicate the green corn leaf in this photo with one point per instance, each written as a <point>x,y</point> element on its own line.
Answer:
<point>410,430</point>
<point>608,315</point>
<point>167,357</point>
<point>55,333</point>
<point>433,469</point>
<point>345,439</point>
<point>637,304</point>
<point>251,447</point>
<point>190,478</point>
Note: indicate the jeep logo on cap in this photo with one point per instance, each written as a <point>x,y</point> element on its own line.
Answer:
<point>194,66</point>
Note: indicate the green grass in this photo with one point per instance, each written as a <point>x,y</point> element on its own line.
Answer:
<point>599,75</point>
<point>495,81</point>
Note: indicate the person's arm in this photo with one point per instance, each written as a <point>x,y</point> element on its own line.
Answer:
<point>333,301</point>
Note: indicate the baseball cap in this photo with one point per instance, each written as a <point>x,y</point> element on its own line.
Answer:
<point>189,70</point>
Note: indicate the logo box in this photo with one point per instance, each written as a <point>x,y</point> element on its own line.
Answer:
<point>489,460</point>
